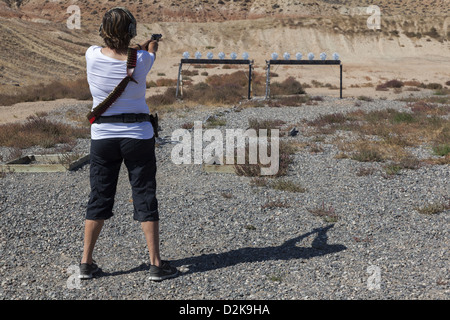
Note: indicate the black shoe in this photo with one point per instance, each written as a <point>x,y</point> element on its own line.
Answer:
<point>166,271</point>
<point>87,270</point>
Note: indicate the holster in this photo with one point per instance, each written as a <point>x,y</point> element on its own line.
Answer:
<point>154,122</point>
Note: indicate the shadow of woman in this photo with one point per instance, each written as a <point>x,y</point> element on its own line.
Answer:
<point>287,251</point>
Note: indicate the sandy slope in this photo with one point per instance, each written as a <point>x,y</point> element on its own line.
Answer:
<point>36,50</point>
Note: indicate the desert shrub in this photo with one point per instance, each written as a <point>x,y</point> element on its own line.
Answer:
<point>402,117</point>
<point>329,123</point>
<point>394,84</point>
<point>377,115</point>
<point>409,162</point>
<point>394,130</point>
<point>442,92</point>
<point>367,154</point>
<point>76,89</point>
<point>434,208</point>
<point>434,86</point>
<point>365,98</point>
<point>442,149</point>
<point>187,125</point>
<point>412,83</point>
<point>327,213</point>
<point>413,35</point>
<point>327,119</point>
<point>288,86</point>
<point>150,84</point>
<point>316,84</point>
<point>166,98</point>
<point>39,131</point>
<point>381,87</point>
<point>166,82</point>
<point>433,33</point>
<point>238,78</point>
<point>213,122</point>
<point>190,73</point>
<point>392,169</point>
<point>207,94</point>
<point>224,89</point>
<point>254,170</point>
<point>422,107</point>
<point>389,84</point>
<point>365,172</point>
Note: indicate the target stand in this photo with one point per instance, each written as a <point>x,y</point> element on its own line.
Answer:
<point>213,61</point>
<point>300,62</point>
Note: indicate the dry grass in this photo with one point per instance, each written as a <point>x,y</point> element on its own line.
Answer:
<point>233,88</point>
<point>207,94</point>
<point>286,151</point>
<point>164,99</point>
<point>366,152</point>
<point>385,134</point>
<point>365,172</point>
<point>412,83</point>
<point>213,122</point>
<point>287,87</point>
<point>434,208</point>
<point>259,182</point>
<point>77,89</point>
<point>227,195</point>
<point>428,108</point>
<point>219,89</point>
<point>38,131</point>
<point>442,149</point>
<point>228,89</point>
<point>396,84</point>
<point>327,213</point>
<point>406,162</point>
<point>164,82</point>
<point>187,125</point>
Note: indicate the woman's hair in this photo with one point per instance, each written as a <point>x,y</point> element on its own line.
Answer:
<point>118,28</point>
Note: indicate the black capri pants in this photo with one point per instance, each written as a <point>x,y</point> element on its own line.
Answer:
<point>106,159</point>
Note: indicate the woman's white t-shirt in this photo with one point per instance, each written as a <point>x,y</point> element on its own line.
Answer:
<point>103,75</point>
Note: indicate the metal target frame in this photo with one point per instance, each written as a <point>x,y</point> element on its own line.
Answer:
<point>214,61</point>
<point>300,62</point>
<point>250,63</point>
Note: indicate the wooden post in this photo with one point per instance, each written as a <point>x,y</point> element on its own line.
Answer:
<point>268,80</point>
<point>250,80</point>
<point>179,80</point>
<point>341,81</point>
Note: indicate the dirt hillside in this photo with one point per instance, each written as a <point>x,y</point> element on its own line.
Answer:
<point>412,42</point>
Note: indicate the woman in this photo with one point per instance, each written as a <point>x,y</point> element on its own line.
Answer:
<point>122,133</point>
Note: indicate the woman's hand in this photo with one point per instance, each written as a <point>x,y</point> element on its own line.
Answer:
<point>152,46</point>
<point>148,45</point>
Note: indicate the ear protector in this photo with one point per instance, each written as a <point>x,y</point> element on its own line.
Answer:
<point>131,28</point>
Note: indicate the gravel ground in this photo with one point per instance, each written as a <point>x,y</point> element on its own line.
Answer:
<point>227,244</point>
